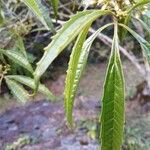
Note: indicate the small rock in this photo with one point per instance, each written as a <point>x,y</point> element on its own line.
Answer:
<point>9,136</point>
<point>33,122</point>
<point>69,140</point>
<point>35,136</point>
<point>13,127</point>
<point>93,147</point>
<point>84,140</point>
<point>48,134</point>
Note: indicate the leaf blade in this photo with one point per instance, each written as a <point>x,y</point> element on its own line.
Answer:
<point>139,3</point>
<point>20,44</point>
<point>146,27</point>
<point>145,45</point>
<point>17,90</point>
<point>55,6</point>
<point>72,78</point>
<point>30,83</point>
<point>71,29</point>
<point>76,67</point>
<point>41,12</point>
<point>112,117</point>
<point>17,58</point>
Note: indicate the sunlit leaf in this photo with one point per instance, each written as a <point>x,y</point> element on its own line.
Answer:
<point>112,115</point>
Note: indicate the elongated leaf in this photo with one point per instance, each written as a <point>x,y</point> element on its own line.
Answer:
<point>1,17</point>
<point>20,45</point>
<point>146,27</point>
<point>122,32</point>
<point>41,12</point>
<point>64,36</point>
<point>73,75</point>
<point>17,90</point>
<point>55,6</point>
<point>30,83</point>
<point>77,63</point>
<point>112,117</point>
<point>18,59</point>
<point>139,3</point>
<point>145,45</point>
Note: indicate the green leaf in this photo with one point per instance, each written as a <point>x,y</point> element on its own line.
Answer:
<point>55,6</point>
<point>65,36</point>
<point>145,45</point>
<point>146,27</point>
<point>139,3</point>
<point>112,117</point>
<point>77,64</point>
<point>30,83</point>
<point>41,12</point>
<point>20,44</point>
<point>73,74</point>
<point>17,90</point>
<point>1,17</point>
<point>121,31</point>
<point>17,58</point>
<point>142,2</point>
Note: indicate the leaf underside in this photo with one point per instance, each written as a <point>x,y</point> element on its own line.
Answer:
<point>112,117</point>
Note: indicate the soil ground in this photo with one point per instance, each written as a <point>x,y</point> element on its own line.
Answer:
<point>41,125</point>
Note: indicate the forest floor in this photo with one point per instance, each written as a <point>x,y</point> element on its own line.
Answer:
<point>40,124</point>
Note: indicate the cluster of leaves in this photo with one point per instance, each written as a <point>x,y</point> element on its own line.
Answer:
<point>112,115</point>
<point>16,63</point>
